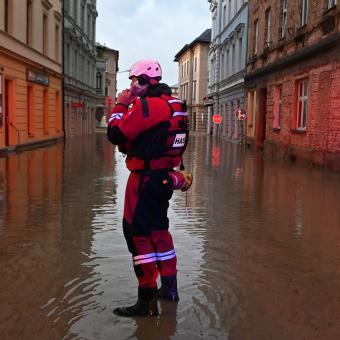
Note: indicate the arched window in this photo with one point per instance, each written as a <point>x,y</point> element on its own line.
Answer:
<point>99,81</point>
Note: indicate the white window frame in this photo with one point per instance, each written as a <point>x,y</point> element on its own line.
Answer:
<point>302,105</point>
<point>269,26</point>
<point>194,90</point>
<point>304,12</point>
<point>256,36</point>
<point>331,3</point>
<point>284,18</point>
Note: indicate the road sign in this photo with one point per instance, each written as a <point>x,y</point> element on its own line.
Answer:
<point>240,114</point>
<point>217,118</point>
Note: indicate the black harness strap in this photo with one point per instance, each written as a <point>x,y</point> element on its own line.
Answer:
<point>145,107</point>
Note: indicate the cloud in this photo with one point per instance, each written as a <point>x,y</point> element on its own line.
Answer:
<point>155,29</point>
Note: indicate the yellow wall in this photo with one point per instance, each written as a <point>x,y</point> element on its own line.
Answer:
<point>15,71</point>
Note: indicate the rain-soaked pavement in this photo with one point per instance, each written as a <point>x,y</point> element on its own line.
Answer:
<point>258,254</point>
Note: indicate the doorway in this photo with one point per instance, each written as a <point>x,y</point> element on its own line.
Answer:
<point>7,104</point>
<point>261,131</point>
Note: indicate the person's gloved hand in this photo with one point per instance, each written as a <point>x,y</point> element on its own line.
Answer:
<point>125,98</point>
<point>188,181</point>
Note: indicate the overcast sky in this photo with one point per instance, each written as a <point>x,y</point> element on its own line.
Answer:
<point>155,29</point>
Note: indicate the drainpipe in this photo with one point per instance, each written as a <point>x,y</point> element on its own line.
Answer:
<point>245,130</point>
<point>63,67</point>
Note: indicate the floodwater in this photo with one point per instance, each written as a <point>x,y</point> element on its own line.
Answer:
<point>258,248</point>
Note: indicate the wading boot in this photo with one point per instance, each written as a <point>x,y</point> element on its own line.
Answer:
<point>146,304</point>
<point>168,290</point>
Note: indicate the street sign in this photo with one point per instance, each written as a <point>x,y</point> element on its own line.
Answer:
<point>217,118</point>
<point>240,114</point>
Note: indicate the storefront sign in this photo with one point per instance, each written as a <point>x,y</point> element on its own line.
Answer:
<point>217,118</point>
<point>37,77</point>
<point>77,105</point>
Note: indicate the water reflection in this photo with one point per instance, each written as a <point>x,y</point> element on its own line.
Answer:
<point>258,252</point>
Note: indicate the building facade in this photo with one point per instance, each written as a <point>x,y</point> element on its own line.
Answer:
<point>293,79</point>
<point>227,62</point>
<point>80,96</point>
<point>30,72</point>
<point>193,79</point>
<point>106,82</point>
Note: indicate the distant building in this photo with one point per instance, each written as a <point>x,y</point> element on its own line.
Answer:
<point>30,72</point>
<point>193,79</point>
<point>293,79</point>
<point>106,81</point>
<point>227,62</point>
<point>174,89</point>
<point>81,97</point>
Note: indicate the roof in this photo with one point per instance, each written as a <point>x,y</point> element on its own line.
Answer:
<point>204,38</point>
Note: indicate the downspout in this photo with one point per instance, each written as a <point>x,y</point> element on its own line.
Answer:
<point>245,72</point>
<point>63,66</point>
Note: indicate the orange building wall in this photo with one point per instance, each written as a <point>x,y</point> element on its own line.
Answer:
<point>15,71</point>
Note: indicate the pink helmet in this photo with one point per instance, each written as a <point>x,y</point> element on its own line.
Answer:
<point>148,67</point>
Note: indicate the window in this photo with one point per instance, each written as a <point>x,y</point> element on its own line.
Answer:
<point>222,66</point>
<point>235,6</point>
<point>331,3</point>
<point>229,10</point>
<point>304,12</point>
<point>268,28</point>
<point>194,89</point>
<point>8,15</point>
<point>228,63</point>
<point>284,18</point>
<point>89,26</point>
<point>45,34</point>
<point>187,67</point>
<point>75,10</point>
<point>82,17</point>
<point>57,112</point>
<point>302,105</point>
<point>29,23</point>
<point>240,66</point>
<point>233,62</point>
<point>224,16</point>
<point>256,36</point>
<point>195,63</point>
<point>75,63</point>
<point>45,112</point>
<point>30,110</point>
<point>1,101</point>
<point>57,43</point>
<point>98,81</point>
<point>277,106</point>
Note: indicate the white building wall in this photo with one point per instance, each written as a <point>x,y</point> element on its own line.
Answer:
<point>227,60</point>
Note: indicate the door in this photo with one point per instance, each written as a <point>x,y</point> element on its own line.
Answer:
<point>261,131</point>
<point>6,112</point>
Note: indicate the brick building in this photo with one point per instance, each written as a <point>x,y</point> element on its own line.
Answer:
<point>293,79</point>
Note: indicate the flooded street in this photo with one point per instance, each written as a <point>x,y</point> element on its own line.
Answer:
<point>258,252</point>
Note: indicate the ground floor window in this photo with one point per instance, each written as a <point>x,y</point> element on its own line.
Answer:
<point>1,101</point>
<point>302,105</point>
<point>277,106</point>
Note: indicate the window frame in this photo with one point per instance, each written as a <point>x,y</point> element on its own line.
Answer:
<point>304,12</point>
<point>284,19</point>
<point>302,104</point>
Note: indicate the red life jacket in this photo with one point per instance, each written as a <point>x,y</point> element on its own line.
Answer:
<point>168,139</point>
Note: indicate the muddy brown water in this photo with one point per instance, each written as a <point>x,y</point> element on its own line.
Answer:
<point>258,249</point>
